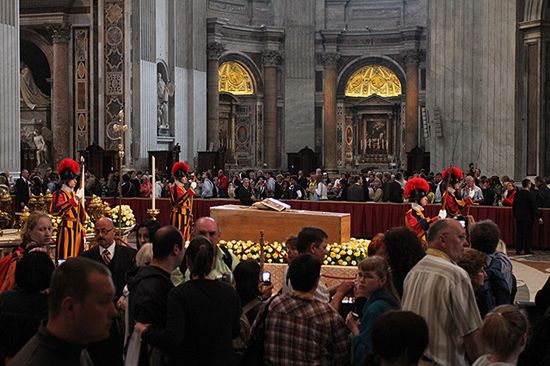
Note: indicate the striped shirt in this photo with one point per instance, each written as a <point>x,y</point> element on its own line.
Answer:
<point>442,293</point>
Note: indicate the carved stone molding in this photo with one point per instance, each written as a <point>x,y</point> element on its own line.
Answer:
<point>330,59</point>
<point>411,57</point>
<point>60,33</point>
<point>214,50</point>
<point>271,58</point>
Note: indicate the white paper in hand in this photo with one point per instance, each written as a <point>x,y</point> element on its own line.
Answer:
<point>193,185</point>
<point>134,347</point>
<point>442,214</point>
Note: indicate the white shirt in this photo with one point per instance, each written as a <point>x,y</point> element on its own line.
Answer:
<point>110,249</point>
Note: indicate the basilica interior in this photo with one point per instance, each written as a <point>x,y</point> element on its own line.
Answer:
<point>344,84</point>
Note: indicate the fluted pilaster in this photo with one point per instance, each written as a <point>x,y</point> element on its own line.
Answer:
<point>10,141</point>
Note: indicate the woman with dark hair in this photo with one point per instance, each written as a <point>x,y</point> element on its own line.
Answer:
<point>144,237</point>
<point>399,338</point>
<point>22,308</point>
<point>203,315</point>
<point>247,284</point>
<point>251,292</point>
<point>403,251</point>
<point>36,235</point>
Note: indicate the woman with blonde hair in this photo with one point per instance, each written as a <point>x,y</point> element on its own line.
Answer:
<point>36,234</point>
<point>504,334</point>
<point>374,281</point>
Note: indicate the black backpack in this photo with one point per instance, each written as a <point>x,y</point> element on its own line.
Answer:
<point>537,351</point>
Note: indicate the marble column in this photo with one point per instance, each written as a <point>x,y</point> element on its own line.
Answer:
<point>270,60</point>
<point>411,114</point>
<point>61,129</point>
<point>214,50</point>
<point>10,140</point>
<point>330,61</point>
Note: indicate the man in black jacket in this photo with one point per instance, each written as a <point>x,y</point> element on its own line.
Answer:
<point>149,289</point>
<point>78,315</point>
<point>120,260</point>
<point>22,190</point>
<point>525,213</point>
<point>543,193</point>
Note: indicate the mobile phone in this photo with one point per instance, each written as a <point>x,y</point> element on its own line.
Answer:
<point>266,278</point>
<point>354,315</point>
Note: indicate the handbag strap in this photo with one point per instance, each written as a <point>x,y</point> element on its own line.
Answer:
<point>264,314</point>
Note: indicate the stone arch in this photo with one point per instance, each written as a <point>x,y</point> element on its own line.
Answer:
<point>536,10</point>
<point>39,41</point>
<point>249,64</point>
<point>162,68</point>
<point>357,64</point>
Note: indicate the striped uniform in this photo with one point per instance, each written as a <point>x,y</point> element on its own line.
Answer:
<point>71,232</point>
<point>453,205</point>
<point>182,207</point>
<point>418,224</point>
<point>441,292</point>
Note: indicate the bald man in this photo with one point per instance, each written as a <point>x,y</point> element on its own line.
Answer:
<point>225,261</point>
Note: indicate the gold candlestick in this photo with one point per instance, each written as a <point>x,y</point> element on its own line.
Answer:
<point>121,128</point>
<point>153,212</point>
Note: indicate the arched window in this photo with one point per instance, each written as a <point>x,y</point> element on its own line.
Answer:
<point>235,78</point>
<point>373,79</point>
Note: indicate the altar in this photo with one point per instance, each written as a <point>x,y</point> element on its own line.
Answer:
<point>244,223</point>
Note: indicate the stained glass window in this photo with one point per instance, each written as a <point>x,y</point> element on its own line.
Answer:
<point>373,79</point>
<point>235,78</point>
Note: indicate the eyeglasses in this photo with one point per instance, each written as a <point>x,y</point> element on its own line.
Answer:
<point>104,231</point>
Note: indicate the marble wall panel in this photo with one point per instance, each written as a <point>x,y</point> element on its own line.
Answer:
<point>471,73</point>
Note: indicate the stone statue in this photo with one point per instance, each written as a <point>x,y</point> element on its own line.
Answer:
<point>31,95</point>
<point>162,102</point>
<point>41,149</point>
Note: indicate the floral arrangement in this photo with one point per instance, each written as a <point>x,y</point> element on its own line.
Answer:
<point>350,253</point>
<point>128,218</point>
<point>56,221</point>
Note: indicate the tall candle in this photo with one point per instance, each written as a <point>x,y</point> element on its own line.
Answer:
<point>154,182</point>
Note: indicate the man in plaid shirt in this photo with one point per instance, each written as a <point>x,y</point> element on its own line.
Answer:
<point>300,330</point>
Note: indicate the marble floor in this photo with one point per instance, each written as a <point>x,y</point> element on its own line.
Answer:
<point>532,272</point>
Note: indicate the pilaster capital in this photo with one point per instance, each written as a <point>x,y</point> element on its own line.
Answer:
<point>271,57</point>
<point>214,50</point>
<point>330,59</point>
<point>411,57</point>
<point>60,33</point>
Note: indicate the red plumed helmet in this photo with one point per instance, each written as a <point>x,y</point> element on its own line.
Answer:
<point>180,166</point>
<point>416,184</point>
<point>68,169</point>
<point>456,174</point>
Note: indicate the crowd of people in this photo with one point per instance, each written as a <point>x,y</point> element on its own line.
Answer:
<point>252,185</point>
<point>426,285</point>
<point>449,304</point>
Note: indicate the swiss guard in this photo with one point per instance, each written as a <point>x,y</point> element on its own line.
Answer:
<point>69,206</point>
<point>450,186</point>
<point>416,190</point>
<point>181,198</point>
